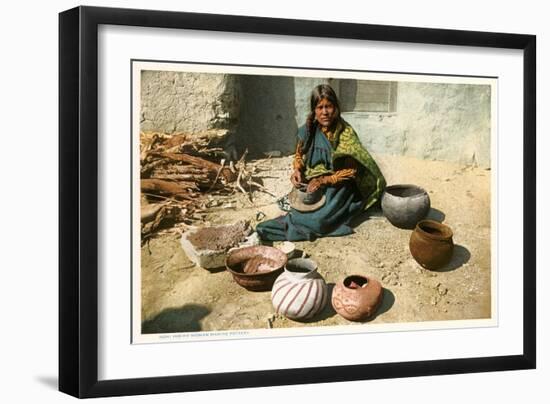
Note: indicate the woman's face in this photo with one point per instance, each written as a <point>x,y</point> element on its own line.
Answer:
<point>325,112</point>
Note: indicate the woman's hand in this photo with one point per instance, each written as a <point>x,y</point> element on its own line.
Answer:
<point>296,178</point>
<point>314,185</point>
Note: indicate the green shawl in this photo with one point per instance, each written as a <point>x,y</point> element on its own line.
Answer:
<point>346,143</point>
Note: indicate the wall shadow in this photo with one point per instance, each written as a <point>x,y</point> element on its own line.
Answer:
<point>461,255</point>
<point>182,319</point>
<point>348,94</point>
<point>267,120</point>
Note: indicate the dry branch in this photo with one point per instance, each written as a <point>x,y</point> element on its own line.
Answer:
<point>169,188</point>
<point>179,170</point>
<point>227,174</point>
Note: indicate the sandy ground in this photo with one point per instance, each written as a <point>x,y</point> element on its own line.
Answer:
<point>177,296</point>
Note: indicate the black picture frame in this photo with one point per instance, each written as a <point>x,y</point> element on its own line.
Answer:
<point>78,200</point>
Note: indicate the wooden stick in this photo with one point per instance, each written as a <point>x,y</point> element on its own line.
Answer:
<point>166,187</point>
<point>167,198</point>
<point>197,161</point>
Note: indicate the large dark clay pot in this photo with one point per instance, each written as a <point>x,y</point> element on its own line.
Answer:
<point>431,244</point>
<point>405,205</point>
<point>357,297</point>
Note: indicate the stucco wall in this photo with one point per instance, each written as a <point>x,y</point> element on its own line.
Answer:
<point>450,122</point>
<point>188,102</point>
<point>433,121</point>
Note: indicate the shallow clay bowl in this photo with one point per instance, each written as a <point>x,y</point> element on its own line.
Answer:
<point>257,281</point>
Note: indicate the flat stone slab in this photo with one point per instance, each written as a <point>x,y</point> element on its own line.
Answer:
<point>208,258</point>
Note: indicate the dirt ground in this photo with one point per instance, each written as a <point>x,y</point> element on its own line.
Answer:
<point>178,296</point>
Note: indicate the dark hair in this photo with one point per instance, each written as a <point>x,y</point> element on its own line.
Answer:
<point>321,92</point>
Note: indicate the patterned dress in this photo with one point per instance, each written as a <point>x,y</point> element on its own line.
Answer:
<point>351,180</point>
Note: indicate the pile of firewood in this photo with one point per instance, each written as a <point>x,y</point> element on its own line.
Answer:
<point>179,172</point>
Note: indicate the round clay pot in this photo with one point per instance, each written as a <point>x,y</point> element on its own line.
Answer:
<point>299,293</point>
<point>405,205</point>
<point>357,297</point>
<point>431,244</point>
<point>256,268</point>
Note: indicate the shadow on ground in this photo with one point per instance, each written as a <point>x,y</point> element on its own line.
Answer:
<point>364,216</point>
<point>388,299</point>
<point>183,319</point>
<point>461,255</point>
<point>435,214</point>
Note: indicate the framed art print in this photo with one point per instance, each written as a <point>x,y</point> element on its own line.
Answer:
<point>283,201</point>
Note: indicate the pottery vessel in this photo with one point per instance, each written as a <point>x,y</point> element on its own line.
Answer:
<point>299,293</point>
<point>256,268</point>
<point>405,205</point>
<point>357,297</point>
<point>431,244</point>
<point>309,198</point>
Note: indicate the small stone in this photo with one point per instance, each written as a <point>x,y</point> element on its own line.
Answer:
<point>260,216</point>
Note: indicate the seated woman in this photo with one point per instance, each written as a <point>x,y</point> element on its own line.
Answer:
<point>330,157</point>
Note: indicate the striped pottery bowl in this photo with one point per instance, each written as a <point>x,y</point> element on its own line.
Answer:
<point>299,293</point>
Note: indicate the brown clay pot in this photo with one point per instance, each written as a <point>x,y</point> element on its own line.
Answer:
<point>431,244</point>
<point>357,297</point>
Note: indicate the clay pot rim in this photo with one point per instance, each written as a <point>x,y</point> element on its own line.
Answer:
<point>367,278</point>
<point>446,231</point>
<point>256,274</point>
<point>310,271</point>
<point>390,188</point>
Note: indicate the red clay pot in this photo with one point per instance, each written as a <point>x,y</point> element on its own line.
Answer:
<point>431,244</point>
<point>357,297</point>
